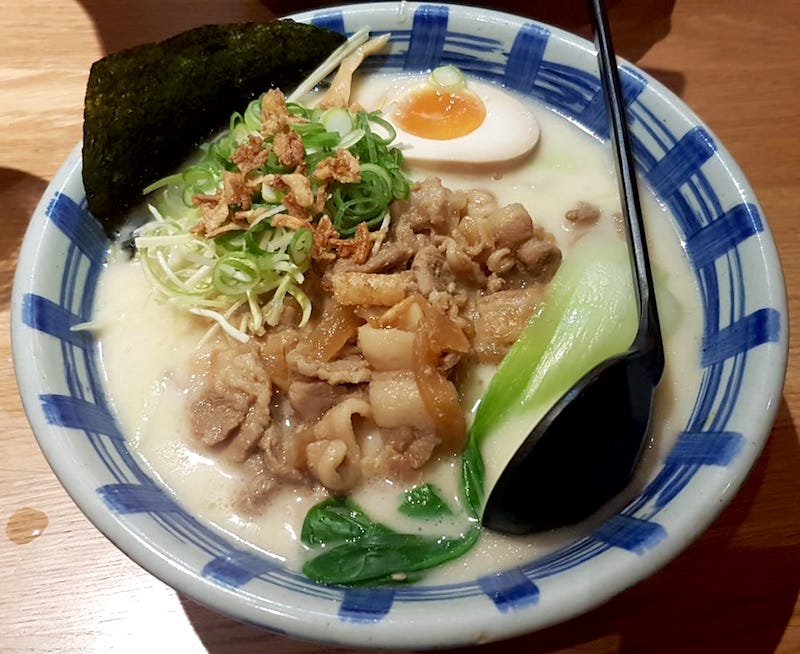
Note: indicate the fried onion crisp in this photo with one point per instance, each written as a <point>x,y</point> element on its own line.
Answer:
<point>328,246</point>
<point>289,149</point>
<point>324,234</point>
<point>344,167</point>
<point>274,115</point>
<point>357,248</point>
<point>218,211</point>
<point>290,222</point>
<point>251,155</point>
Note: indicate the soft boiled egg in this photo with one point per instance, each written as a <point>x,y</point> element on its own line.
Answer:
<point>444,117</point>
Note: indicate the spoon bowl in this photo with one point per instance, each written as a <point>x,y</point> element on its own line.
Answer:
<point>582,452</point>
<point>585,449</point>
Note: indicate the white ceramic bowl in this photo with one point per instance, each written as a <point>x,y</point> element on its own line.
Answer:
<point>743,354</point>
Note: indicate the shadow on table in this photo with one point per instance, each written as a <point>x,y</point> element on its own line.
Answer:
<point>19,195</point>
<point>121,25</point>
<point>732,591</point>
<point>124,24</point>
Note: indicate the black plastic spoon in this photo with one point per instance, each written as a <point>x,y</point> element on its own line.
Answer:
<point>585,449</point>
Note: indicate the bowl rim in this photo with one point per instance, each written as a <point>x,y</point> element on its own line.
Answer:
<point>392,632</point>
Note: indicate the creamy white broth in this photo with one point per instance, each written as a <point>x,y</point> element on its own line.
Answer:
<point>146,346</point>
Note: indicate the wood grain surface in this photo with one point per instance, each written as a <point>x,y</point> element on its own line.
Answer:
<point>65,588</point>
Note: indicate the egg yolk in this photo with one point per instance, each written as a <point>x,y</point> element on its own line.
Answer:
<point>441,115</point>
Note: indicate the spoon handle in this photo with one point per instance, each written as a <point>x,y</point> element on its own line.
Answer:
<point>648,334</point>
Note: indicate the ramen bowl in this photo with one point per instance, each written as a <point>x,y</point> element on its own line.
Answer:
<point>741,351</point>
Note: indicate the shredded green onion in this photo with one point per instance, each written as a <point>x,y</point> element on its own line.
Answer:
<point>447,77</point>
<point>300,246</point>
<point>337,120</point>
<point>236,273</point>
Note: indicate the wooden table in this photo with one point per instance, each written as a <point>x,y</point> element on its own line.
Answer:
<point>735,590</point>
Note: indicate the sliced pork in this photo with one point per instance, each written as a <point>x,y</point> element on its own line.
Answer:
<point>368,387</point>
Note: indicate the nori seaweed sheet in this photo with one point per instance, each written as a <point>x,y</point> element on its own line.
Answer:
<point>148,106</point>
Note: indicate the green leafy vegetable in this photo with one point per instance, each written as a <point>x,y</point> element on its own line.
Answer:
<point>388,558</point>
<point>589,315</point>
<point>473,475</point>
<point>147,106</point>
<point>424,502</point>
<point>358,551</point>
<point>337,520</point>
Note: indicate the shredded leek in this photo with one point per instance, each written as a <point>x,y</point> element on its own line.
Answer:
<point>214,278</point>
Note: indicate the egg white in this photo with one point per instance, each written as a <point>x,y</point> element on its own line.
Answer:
<point>508,132</point>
